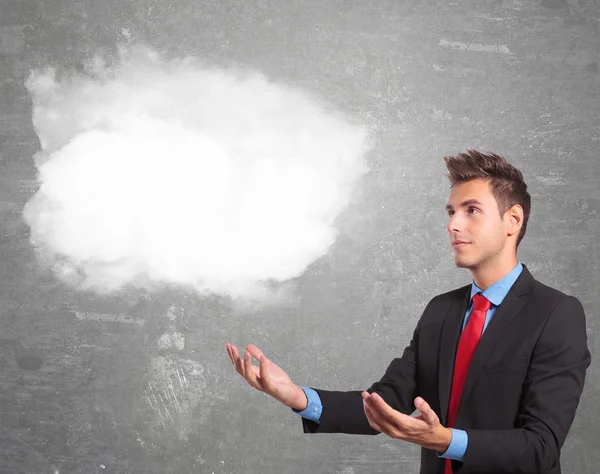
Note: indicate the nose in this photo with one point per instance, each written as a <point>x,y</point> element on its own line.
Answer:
<point>454,224</point>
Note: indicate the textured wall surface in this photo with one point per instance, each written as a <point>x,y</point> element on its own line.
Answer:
<point>140,382</point>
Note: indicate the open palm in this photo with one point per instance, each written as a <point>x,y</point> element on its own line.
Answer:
<point>267,377</point>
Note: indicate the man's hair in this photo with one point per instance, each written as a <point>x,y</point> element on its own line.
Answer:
<point>506,181</point>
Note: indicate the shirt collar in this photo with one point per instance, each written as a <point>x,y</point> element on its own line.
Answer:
<point>498,291</point>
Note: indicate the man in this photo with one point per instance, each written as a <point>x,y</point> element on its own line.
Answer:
<point>495,368</point>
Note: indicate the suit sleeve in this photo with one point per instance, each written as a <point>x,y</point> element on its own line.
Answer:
<point>551,393</point>
<point>343,412</point>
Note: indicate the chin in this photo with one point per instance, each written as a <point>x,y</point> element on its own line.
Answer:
<point>462,262</point>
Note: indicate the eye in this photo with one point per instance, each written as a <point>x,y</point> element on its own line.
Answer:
<point>450,212</point>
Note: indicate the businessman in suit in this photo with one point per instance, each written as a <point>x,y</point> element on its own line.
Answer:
<point>495,369</point>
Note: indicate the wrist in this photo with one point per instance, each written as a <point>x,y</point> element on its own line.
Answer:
<point>443,439</point>
<point>302,400</point>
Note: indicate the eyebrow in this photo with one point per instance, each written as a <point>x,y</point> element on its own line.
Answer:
<point>468,202</point>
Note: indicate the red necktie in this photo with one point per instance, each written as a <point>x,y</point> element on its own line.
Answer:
<point>466,348</point>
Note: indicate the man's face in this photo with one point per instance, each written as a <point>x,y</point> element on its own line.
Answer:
<point>473,217</point>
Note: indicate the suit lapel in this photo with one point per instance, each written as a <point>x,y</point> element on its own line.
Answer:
<point>450,333</point>
<point>451,329</point>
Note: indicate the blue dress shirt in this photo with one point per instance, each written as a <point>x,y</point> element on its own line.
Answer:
<point>458,444</point>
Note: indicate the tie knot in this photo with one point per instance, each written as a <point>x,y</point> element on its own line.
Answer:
<point>481,303</point>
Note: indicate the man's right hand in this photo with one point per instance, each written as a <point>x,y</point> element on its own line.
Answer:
<point>268,377</point>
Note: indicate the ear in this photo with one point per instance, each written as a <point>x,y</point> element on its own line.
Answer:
<point>514,219</point>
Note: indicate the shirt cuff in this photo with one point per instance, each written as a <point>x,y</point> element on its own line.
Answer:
<point>314,409</point>
<point>458,446</point>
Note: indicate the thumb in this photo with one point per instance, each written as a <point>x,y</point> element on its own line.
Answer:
<point>426,411</point>
<point>254,351</point>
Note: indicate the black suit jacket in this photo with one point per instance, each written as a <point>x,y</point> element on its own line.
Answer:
<point>521,392</point>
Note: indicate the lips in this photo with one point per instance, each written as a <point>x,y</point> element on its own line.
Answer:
<point>459,243</point>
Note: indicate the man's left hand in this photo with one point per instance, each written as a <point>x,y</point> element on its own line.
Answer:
<point>424,429</point>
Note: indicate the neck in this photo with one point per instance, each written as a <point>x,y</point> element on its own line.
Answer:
<point>488,273</point>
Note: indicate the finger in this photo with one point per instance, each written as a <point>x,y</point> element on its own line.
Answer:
<point>368,403</point>
<point>236,360</point>
<point>379,406</point>
<point>254,351</point>
<point>372,419</point>
<point>392,422</point>
<point>230,353</point>
<point>264,372</point>
<point>374,413</point>
<point>250,375</point>
<point>259,372</point>
<point>427,413</point>
<point>239,364</point>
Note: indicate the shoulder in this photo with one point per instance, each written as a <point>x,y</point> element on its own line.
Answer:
<point>560,315</point>
<point>551,298</point>
<point>438,307</point>
<point>450,296</point>
<point>562,321</point>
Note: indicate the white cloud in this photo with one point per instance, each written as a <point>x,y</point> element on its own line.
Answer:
<point>154,171</point>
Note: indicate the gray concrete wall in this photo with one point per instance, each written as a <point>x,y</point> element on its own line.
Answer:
<point>86,380</point>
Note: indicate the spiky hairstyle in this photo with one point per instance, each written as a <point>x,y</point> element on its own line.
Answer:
<point>506,181</point>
